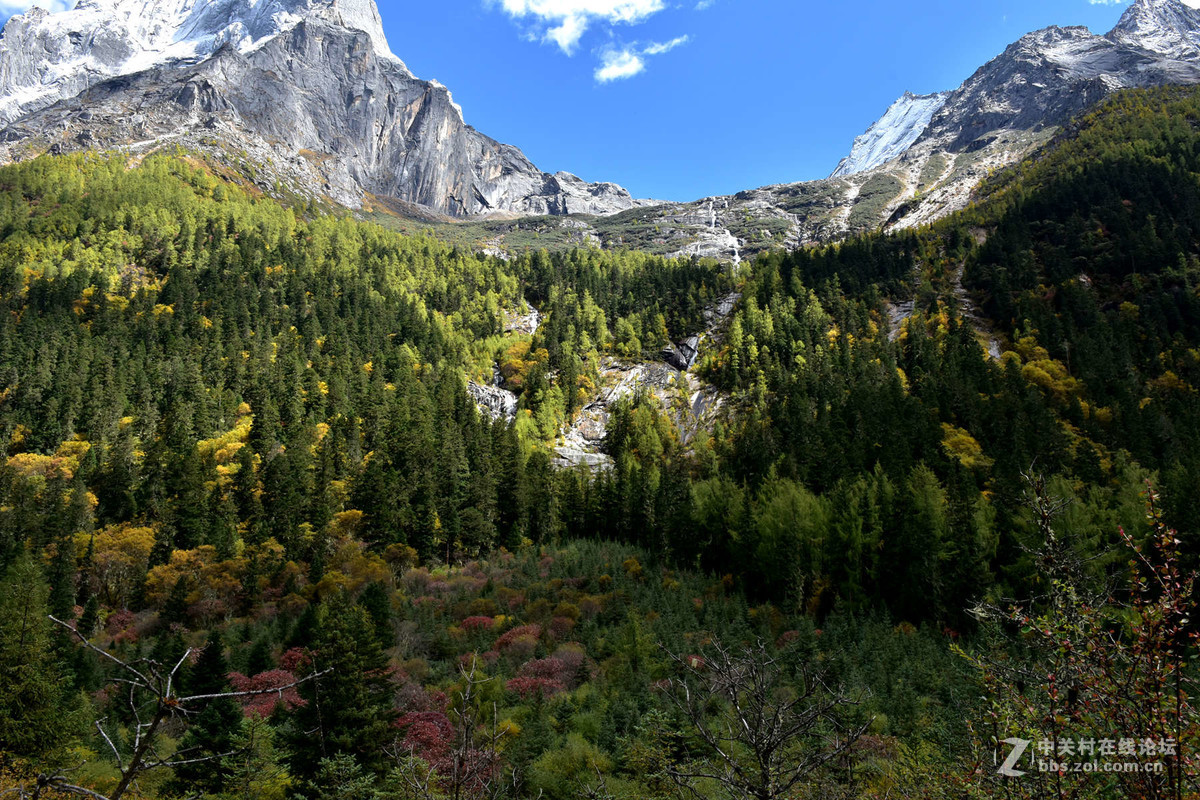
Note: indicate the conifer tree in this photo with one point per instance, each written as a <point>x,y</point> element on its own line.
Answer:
<point>213,732</point>
<point>38,718</point>
<point>348,711</point>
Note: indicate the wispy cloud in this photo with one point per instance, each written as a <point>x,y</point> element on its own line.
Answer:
<point>658,48</point>
<point>9,8</point>
<point>565,21</point>
<point>620,63</point>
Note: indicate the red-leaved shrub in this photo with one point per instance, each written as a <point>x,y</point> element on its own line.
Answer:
<point>263,705</point>
<point>531,687</point>
<point>527,632</point>
<point>474,624</point>
<point>427,734</point>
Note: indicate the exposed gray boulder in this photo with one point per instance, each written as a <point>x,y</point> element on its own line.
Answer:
<point>682,355</point>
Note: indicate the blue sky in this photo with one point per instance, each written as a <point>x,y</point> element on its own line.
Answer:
<point>759,91</point>
<point>678,99</point>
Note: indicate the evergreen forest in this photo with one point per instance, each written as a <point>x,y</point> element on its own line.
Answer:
<point>257,540</point>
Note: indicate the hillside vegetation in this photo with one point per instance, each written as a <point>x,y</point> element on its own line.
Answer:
<point>239,452</point>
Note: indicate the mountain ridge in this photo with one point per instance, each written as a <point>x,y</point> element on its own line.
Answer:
<point>327,108</point>
<point>1008,108</point>
<point>309,88</point>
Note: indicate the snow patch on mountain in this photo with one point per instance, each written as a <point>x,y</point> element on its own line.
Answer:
<point>894,133</point>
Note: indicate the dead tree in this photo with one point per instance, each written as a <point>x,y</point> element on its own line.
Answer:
<point>152,690</point>
<point>764,732</point>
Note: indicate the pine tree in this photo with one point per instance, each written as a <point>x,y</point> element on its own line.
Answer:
<point>223,520</point>
<point>37,717</point>
<point>212,733</point>
<point>245,496</point>
<point>349,710</point>
<point>116,484</point>
<point>374,599</point>
<point>256,770</point>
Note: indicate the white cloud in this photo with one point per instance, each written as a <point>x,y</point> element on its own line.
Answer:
<point>616,65</point>
<point>658,49</point>
<point>8,8</point>
<point>620,63</point>
<point>703,4</point>
<point>565,21</point>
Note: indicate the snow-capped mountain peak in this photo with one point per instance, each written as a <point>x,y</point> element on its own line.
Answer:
<point>1168,27</point>
<point>894,133</point>
<point>46,57</point>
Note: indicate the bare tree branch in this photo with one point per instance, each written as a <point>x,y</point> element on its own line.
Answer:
<point>160,684</point>
<point>769,735</point>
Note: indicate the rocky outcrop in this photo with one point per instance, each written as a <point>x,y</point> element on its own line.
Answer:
<point>894,133</point>
<point>306,87</point>
<point>690,403</point>
<point>525,324</point>
<point>682,355</point>
<point>493,401</point>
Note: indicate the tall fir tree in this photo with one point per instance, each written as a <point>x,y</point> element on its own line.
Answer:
<point>348,711</point>
<point>38,717</point>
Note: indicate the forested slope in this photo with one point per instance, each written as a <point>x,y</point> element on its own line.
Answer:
<point>234,423</point>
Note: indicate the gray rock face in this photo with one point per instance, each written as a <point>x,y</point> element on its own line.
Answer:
<point>497,403</point>
<point>1016,101</point>
<point>682,355</point>
<point>1160,26</point>
<point>691,404</point>
<point>1048,76</point>
<point>45,58</point>
<point>308,87</point>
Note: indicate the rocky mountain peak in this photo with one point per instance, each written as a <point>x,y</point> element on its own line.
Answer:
<point>1168,27</point>
<point>47,57</point>
<point>308,89</point>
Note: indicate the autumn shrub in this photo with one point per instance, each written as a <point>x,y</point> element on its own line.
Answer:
<point>591,606</point>
<point>426,734</point>
<point>633,568</point>
<point>561,627</point>
<point>477,624</point>
<point>540,609</point>
<point>416,581</point>
<point>263,705</point>
<point>527,688</point>
<point>573,658</point>
<point>484,607</point>
<point>510,637</point>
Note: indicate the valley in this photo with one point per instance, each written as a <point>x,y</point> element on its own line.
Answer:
<point>347,455</point>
